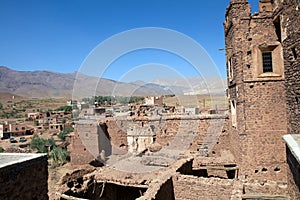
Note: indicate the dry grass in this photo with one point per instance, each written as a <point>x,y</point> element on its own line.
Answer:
<point>17,108</point>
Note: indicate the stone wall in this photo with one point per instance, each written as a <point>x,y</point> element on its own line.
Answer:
<point>258,99</point>
<point>192,187</point>
<point>290,19</point>
<point>24,178</point>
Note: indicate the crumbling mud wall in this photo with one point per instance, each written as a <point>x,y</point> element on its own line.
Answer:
<point>201,188</point>
<point>83,143</point>
<point>117,132</point>
<point>166,128</point>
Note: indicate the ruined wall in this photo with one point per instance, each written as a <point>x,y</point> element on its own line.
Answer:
<point>264,190</point>
<point>166,128</point>
<point>192,187</point>
<point>166,191</point>
<point>25,179</point>
<point>162,189</point>
<point>91,141</point>
<point>79,154</point>
<point>257,98</point>
<point>85,147</point>
<point>117,132</point>
<point>223,141</point>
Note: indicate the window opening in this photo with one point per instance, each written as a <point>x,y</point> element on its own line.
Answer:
<point>294,53</point>
<point>267,61</point>
<point>277,28</point>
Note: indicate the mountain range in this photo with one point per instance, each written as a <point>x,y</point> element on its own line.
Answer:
<point>46,84</point>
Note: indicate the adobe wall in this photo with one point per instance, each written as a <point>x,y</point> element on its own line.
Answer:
<point>265,190</point>
<point>192,187</point>
<point>25,179</point>
<point>84,145</point>
<point>262,142</point>
<point>79,154</point>
<point>92,137</point>
<point>117,132</point>
<point>256,139</point>
<point>167,128</point>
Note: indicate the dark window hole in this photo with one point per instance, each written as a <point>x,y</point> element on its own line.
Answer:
<point>294,53</point>
<point>264,170</point>
<point>277,169</point>
<point>122,145</point>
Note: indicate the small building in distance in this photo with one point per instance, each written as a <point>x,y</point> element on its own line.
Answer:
<point>140,138</point>
<point>152,101</point>
<point>191,111</point>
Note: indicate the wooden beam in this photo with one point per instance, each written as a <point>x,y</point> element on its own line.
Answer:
<point>216,168</point>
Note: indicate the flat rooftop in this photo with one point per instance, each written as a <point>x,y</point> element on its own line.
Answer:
<point>7,159</point>
<point>293,142</point>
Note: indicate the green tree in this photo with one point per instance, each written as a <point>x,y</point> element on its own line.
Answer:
<point>1,106</point>
<point>1,150</point>
<point>65,108</point>
<point>62,135</point>
<point>29,119</point>
<point>41,144</point>
<point>59,156</point>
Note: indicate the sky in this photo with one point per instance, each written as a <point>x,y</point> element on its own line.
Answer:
<point>60,36</point>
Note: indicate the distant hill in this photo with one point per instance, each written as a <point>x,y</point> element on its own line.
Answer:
<point>193,85</point>
<point>45,84</point>
<point>5,97</point>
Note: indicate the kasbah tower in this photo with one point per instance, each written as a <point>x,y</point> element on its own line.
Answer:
<point>262,55</point>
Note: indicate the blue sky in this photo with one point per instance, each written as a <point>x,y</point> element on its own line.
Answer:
<point>58,35</point>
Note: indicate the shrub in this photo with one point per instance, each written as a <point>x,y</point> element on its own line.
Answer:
<point>41,144</point>
<point>62,135</point>
<point>65,108</point>
<point>60,156</point>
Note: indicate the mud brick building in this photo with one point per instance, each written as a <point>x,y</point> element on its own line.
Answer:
<point>250,159</point>
<point>256,88</point>
<point>262,53</point>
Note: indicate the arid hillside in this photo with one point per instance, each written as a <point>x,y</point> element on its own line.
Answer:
<point>47,84</point>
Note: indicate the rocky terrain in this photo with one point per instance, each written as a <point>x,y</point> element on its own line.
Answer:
<point>43,84</point>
